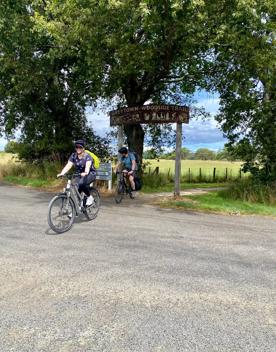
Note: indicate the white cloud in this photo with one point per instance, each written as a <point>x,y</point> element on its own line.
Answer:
<point>210,104</point>
<point>99,121</point>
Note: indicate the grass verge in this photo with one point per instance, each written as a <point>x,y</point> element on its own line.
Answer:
<point>215,202</point>
<point>32,182</point>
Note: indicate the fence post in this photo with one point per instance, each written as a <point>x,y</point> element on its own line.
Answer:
<point>214,175</point>
<point>240,173</point>
<point>156,170</point>
<point>200,174</point>
<point>226,174</point>
<point>189,175</point>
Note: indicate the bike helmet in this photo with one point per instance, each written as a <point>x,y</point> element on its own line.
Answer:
<point>80,143</point>
<point>123,150</point>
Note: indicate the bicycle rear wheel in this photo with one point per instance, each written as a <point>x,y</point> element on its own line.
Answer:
<point>120,190</point>
<point>92,210</point>
<point>61,213</point>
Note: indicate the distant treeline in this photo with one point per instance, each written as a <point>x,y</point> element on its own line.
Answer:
<point>187,154</point>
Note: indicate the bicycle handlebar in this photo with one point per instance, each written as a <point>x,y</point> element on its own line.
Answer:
<point>122,172</point>
<point>70,176</point>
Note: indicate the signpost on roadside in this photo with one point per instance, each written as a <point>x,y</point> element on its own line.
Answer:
<point>177,177</point>
<point>151,114</point>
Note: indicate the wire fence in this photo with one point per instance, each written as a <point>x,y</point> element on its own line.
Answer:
<point>192,175</point>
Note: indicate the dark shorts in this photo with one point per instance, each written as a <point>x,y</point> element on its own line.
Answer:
<point>84,182</point>
<point>128,169</point>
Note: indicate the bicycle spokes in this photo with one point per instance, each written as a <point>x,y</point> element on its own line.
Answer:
<point>61,213</point>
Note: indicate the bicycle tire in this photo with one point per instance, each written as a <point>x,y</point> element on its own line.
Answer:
<point>65,217</point>
<point>120,190</point>
<point>92,210</point>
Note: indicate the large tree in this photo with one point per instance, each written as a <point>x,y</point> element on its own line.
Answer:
<point>244,73</point>
<point>136,49</point>
<point>58,56</point>
<point>41,91</point>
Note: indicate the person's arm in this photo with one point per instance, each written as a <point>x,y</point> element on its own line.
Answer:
<point>87,168</point>
<point>133,166</point>
<point>66,168</point>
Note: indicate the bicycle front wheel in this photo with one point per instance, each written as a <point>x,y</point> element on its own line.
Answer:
<point>61,213</point>
<point>92,210</point>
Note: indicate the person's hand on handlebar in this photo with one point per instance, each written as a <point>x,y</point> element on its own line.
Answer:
<point>60,175</point>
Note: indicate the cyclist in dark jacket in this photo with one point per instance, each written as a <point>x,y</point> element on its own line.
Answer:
<point>85,167</point>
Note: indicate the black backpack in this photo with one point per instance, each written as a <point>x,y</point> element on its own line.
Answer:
<point>138,183</point>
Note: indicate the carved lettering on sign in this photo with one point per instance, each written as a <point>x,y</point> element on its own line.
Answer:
<point>150,114</point>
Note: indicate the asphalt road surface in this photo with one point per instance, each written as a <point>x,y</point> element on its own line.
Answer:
<point>137,278</point>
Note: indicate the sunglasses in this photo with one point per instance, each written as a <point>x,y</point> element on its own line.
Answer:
<point>79,147</point>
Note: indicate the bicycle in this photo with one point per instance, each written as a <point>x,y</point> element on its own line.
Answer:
<point>123,187</point>
<point>65,206</point>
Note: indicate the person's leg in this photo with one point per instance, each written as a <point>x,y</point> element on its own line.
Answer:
<point>84,183</point>
<point>82,186</point>
<point>89,178</point>
<point>132,183</point>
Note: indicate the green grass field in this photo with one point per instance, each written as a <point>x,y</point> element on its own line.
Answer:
<point>195,169</point>
<point>6,160</point>
<point>5,157</point>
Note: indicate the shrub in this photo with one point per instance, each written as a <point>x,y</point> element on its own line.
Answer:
<point>155,181</point>
<point>44,170</point>
<point>250,190</point>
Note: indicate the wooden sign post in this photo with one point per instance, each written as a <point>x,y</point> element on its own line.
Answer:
<point>151,114</point>
<point>177,177</point>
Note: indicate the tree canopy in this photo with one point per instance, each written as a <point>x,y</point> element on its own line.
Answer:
<point>41,94</point>
<point>244,73</point>
<point>58,56</point>
<point>134,50</point>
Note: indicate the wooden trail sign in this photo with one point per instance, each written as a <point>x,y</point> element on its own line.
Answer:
<point>149,114</point>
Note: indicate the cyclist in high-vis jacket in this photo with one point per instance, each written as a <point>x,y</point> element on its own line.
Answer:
<point>85,167</point>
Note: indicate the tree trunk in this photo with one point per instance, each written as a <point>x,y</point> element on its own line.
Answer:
<point>135,138</point>
<point>135,96</point>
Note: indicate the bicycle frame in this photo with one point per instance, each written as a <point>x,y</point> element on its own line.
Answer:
<point>125,181</point>
<point>71,190</point>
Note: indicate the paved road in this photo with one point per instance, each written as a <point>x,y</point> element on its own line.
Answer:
<point>135,279</point>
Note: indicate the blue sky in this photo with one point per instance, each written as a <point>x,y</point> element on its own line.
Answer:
<point>204,133</point>
<point>197,134</point>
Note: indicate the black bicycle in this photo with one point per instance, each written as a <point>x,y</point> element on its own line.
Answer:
<point>66,206</point>
<point>123,187</point>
